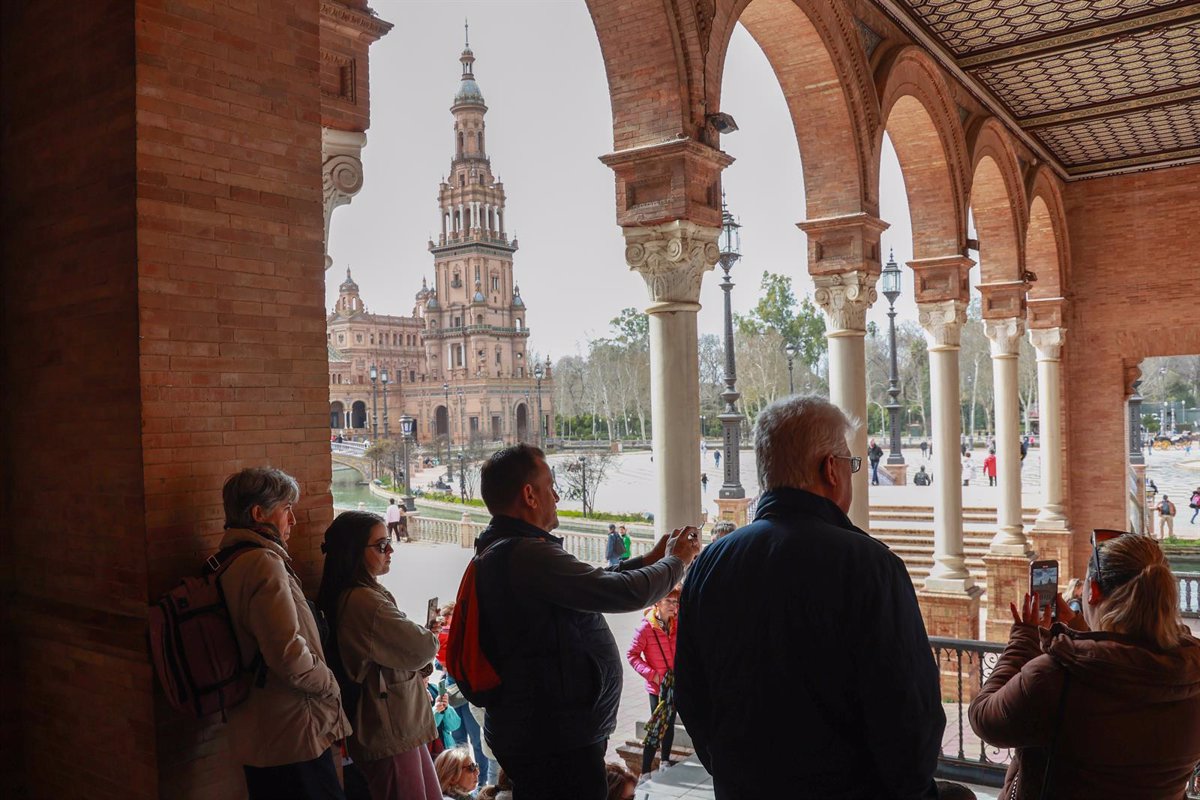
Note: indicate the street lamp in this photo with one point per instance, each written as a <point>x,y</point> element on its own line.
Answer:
<point>1135,426</point>
<point>408,427</point>
<point>731,420</point>
<point>583,469</point>
<point>383,377</point>
<point>538,374</point>
<point>449,437</point>
<point>890,280</point>
<point>791,351</point>
<point>461,427</point>
<point>374,404</point>
<point>462,478</point>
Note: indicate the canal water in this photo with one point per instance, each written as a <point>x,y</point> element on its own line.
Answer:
<point>350,488</point>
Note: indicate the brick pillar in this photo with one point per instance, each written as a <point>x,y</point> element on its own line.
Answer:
<point>734,510</point>
<point>954,615</point>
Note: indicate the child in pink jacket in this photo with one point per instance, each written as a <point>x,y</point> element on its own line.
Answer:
<point>652,654</point>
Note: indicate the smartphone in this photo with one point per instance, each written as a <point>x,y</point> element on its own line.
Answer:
<point>431,612</point>
<point>1043,581</point>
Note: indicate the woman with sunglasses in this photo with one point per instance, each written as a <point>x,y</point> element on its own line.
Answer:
<point>457,772</point>
<point>384,656</point>
<point>1103,704</point>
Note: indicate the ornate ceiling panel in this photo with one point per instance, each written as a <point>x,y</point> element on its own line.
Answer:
<point>1097,85</point>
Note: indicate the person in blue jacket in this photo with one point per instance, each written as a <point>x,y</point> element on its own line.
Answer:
<point>821,621</point>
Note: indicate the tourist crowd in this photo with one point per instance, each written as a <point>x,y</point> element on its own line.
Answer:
<point>797,635</point>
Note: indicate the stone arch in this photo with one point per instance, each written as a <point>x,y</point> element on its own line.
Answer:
<point>1047,252</point>
<point>358,414</point>
<point>921,118</point>
<point>815,52</point>
<point>522,426</point>
<point>441,422</point>
<point>997,200</point>
<point>337,415</point>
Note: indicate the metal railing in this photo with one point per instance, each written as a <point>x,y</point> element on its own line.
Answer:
<point>964,666</point>
<point>1189,594</point>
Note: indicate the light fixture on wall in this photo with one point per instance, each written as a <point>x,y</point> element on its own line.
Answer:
<point>722,122</point>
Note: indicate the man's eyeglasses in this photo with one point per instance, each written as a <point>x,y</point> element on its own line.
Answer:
<point>383,546</point>
<point>1100,536</point>
<point>855,462</point>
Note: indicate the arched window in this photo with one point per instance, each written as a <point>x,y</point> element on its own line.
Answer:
<point>460,142</point>
<point>479,142</point>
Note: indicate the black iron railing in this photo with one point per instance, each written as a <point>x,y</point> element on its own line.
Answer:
<point>964,665</point>
<point>1189,593</point>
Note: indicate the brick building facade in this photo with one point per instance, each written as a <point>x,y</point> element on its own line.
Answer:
<point>458,363</point>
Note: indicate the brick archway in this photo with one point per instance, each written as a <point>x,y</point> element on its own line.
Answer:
<point>1046,245</point>
<point>998,203</point>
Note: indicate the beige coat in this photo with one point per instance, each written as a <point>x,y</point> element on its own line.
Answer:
<point>297,714</point>
<point>385,652</point>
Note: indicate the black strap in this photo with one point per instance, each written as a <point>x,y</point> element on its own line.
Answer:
<point>1048,778</point>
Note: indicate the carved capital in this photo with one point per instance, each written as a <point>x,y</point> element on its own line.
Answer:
<point>845,298</point>
<point>1048,342</point>
<point>943,322</point>
<point>341,171</point>
<point>672,258</point>
<point>1046,312</point>
<point>1003,300</point>
<point>1005,335</point>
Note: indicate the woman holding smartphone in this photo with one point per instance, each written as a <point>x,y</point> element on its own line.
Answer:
<point>1105,703</point>
<point>652,655</point>
<point>385,655</point>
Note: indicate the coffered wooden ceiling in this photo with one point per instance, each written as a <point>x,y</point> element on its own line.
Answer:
<point>1099,86</point>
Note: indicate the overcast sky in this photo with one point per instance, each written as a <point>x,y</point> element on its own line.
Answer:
<point>540,70</point>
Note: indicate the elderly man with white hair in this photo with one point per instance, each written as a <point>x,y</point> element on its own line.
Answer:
<point>800,640</point>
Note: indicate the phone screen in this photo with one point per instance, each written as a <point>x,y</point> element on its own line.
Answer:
<point>1043,581</point>
<point>431,612</point>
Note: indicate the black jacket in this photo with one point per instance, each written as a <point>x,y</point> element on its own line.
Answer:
<point>800,636</point>
<point>541,628</point>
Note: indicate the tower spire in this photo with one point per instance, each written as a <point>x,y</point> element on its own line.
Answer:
<point>467,33</point>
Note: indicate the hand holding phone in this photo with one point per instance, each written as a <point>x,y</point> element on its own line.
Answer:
<point>1043,583</point>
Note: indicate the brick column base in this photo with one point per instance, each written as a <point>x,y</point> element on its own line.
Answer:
<point>1007,582</point>
<point>733,509</point>
<point>1056,545</point>
<point>954,615</point>
<point>897,472</point>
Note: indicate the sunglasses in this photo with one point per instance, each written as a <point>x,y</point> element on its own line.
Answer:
<point>384,546</point>
<point>1100,537</point>
<point>472,767</point>
<point>855,462</point>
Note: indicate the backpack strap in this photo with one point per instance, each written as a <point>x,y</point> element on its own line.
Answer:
<point>215,565</point>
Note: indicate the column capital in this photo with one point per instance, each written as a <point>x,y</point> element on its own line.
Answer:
<point>943,322</point>
<point>845,298</point>
<point>1005,335</point>
<point>672,258</point>
<point>1048,342</point>
<point>846,243</point>
<point>1003,299</point>
<point>675,180</point>
<point>1046,312</point>
<point>943,278</point>
<point>341,172</point>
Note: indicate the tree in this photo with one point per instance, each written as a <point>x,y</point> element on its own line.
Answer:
<point>572,476</point>
<point>803,324</point>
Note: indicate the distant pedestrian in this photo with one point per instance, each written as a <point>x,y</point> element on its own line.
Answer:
<point>1024,448</point>
<point>922,478</point>
<point>704,482</point>
<point>968,469</point>
<point>722,528</point>
<point>1194,504</point>
<point>989,467</point>
<point>717,458</point>
<point>616,546</point>
<point>1166,518</point>
<point>874,454</point>
<point>626,543</point>
<point>924,449</point>
<point>395,522</point>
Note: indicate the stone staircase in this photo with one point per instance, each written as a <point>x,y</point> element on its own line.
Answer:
<point>908,531</point>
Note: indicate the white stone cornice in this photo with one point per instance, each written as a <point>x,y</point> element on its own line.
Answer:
<point>672,258</point>
<point>341,172</point>
<point>942,321</point>
<point>1048,342</point>
<point>845,298</point>
<point>1005,335</point>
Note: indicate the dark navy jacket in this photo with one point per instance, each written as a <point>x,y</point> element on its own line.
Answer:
<point>541,627</point>
<point>802,656</point>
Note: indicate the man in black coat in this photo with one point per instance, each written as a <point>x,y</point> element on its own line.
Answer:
<point>800,636</point>
<point>541,627</point>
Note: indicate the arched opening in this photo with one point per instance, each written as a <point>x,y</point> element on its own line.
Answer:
<point>522,423</point>
<point>995,213</point>
<point>337,415</point>
<point>358,414</point>
<point>441,422</point>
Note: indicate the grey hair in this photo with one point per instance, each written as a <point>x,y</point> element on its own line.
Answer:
<point>793,435</point>
<point>266,487</point>
<point>722,528</point>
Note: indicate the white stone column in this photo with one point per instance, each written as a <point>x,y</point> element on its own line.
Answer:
<point>943,321</point>
<point>1048,343</point>
<point>845,298</point>
<point>341,172</point>
<point>672,258</point>
<point>1005,337</point>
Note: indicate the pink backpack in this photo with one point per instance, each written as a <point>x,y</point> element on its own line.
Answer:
<point>193,643</point>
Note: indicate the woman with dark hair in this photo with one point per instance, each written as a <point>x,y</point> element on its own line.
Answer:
<point>1105,703</point>
<point>384,656</point>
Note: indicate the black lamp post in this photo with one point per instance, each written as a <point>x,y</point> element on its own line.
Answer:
<point>890,279</point>
<point>1135,425</point>
<point>538,374</point>
<point>461,428</point>
<point>449,437</point>
<point>374,404</point>
<point>462,478</point>
<point>583,469</point>
<point>408,426</point>
<point>790,351</point>
<point>731,420</point>
<point>383,378</point>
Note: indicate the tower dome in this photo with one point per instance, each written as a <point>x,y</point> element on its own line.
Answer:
<point>468,93</point>
<point>517,301</point>
<point>348,286</point>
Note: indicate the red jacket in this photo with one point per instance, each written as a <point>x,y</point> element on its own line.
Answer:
<point>653,650</point>
<point>989,466</point>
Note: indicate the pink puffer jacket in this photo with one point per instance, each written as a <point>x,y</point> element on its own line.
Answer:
<point>653,650</point>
